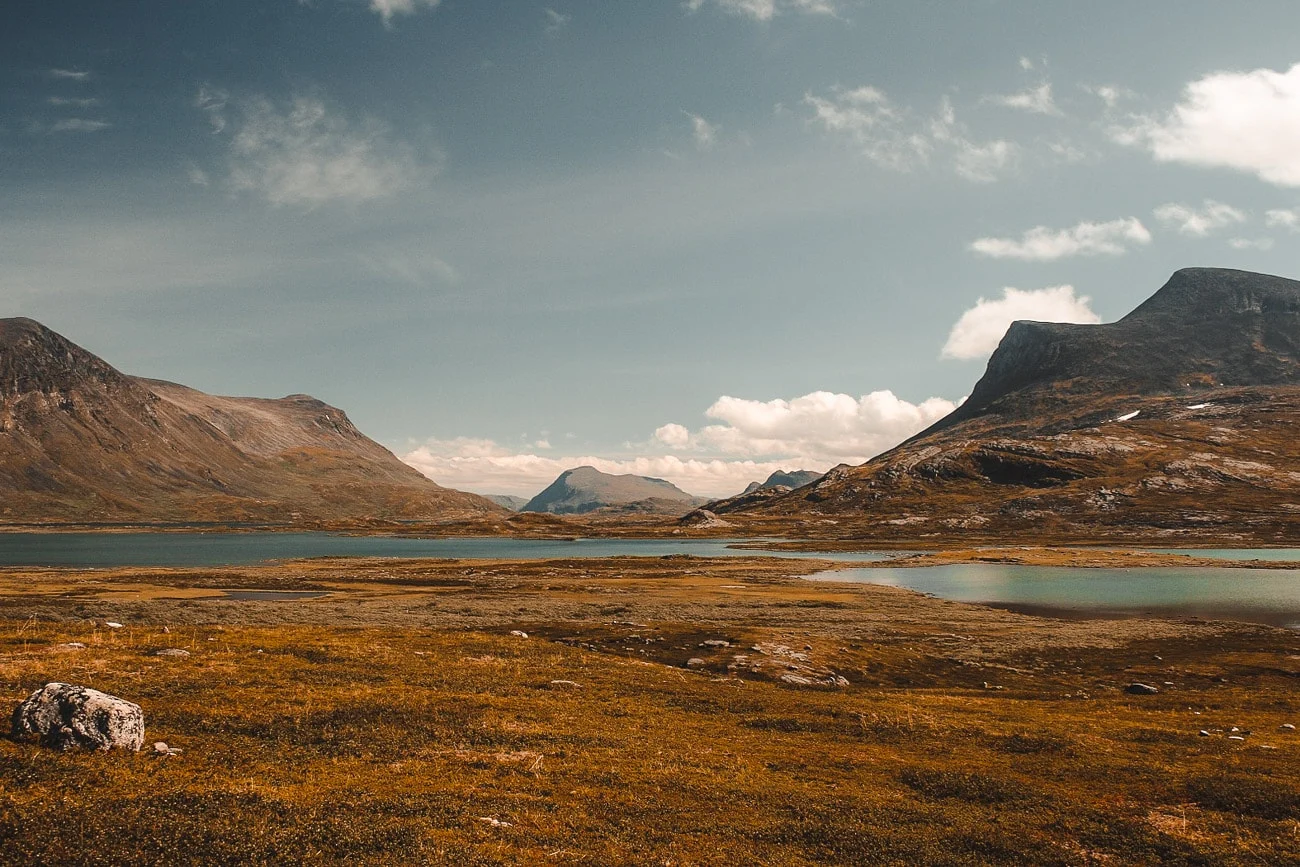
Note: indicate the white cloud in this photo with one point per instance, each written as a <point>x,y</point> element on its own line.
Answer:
<point>893,138</point>
<point>766,10</point>
<point>1259,244</point>
<point>78,124</point>
<point>305,154</point>
<point>1248,121</point>
<point>751,440</point>
<point>1026,64</point>
<point>387,9</point>
<point>1109,94</point>
<point>1199,222</point>
<point>980,329</point>
<point>705,134</point>
<point>73,102</point>
<point>1283,218</point>
<point>69,74</point>
<point>1036,100</point>
<point>1042,244</point>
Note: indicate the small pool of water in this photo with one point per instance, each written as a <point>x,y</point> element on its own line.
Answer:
<point>1219,593</point>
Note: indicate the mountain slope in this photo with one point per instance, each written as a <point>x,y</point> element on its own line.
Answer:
<point>586,490</point>
<point>81,441</point>
<point>1176,421</point>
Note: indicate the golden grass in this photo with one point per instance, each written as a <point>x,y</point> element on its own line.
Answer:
<point>418,743</point>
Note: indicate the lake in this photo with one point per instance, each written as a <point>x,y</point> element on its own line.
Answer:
<point>105,550</point>
<point>1220,593</point>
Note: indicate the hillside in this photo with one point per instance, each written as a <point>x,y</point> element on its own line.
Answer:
<point>586,490</point>
<point>81,441</point>
<point>790,479</point>
<point>1175,422</point>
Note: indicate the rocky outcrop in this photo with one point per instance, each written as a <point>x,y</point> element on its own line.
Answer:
<point>63,716</point>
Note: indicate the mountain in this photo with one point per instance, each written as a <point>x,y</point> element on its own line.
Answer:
<point>586,490</point>
<point>1177,421</point>
<point>81,441</point>
<point>784,479</point>
<point>506,501</point>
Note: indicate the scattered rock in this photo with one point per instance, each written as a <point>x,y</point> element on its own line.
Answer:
<point>695,662</point>
<point>570,684</point>
<point>495,823</point>
<point>715,642</point>
<point>63,716</point>
<point>1235,738</point>
<point>1141,689</point>
<point>1288,727</point>
<point>1203,733</point>
<point>518,633</point>
<point>112,624</point>
<point>833,681</point>
<point>171,651</point>
<point>166,631</point>
<point>74,645</point>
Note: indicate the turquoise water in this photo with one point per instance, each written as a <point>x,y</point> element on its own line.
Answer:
<point>102,550</point>
<point>1252,595</point>
<point>1287,554</point>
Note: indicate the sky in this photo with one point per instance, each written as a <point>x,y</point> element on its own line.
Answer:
<point>698,240</point>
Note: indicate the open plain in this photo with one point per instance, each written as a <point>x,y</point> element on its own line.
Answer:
<point>659,710</point>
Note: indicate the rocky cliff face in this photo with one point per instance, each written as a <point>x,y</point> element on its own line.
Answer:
<point>81,441</point>
<point>1175,422</point>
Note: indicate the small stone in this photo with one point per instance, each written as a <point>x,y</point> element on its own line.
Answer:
<point>1288,727</point>
<point>1235,738</point>
<point>112,624</point>
<point>161,747</point>
<point>74,645</point>
<point>1141,689</point>
<point>566,683</point>
<point>63,716</point>
<point>695,662</point>
<point>166,631</point>
<point>518,633</point>
<point>1203,733</point>
<point>715,642</point>
<point>171,651</point>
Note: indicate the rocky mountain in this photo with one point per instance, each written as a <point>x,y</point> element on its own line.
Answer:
<point>506,501</point>
<point>1178,421</point>
<point>81,441</point>
<point>586,490</point>
<point>790,479</point>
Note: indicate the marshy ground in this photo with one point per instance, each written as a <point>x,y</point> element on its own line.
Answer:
<point>660,711</point>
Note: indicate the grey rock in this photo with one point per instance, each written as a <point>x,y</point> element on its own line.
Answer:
<point>695,662</point>
<point>1141,689</point>
<point>518,633</point>
<point>171,651</point>
<point>63,716</point>
<point>715,642</point>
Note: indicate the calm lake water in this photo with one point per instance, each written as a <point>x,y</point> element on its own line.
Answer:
<point>1252,595</point>
<point>101,550</point>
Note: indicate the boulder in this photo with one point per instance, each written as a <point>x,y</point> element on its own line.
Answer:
<point>63,716</point>
<point>1141,689</point>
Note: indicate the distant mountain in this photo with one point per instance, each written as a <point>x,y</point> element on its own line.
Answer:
<point>783,479</point>
<point>586,490</point>
<point>506,501</point>
<point>81,441</point>
<point>1177,421</point>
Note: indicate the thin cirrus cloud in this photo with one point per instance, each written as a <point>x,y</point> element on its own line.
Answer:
<point>766,10</point>
<point>1247,121</point>
<point>389,9</point>
<point>1283,218</point>
<point>555,21</point>
<point>78,124</point>
<point>981,328</point>
<point>306,153</point>
<point>703,133</point>
<point>68,74</point>
<point>1042,244</point>
<point>1200,222</point>
<point>893,137</point>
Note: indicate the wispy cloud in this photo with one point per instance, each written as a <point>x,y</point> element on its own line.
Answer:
<point>68,74</point>
<point>1199,222</point>
<point>307,154</point>
<point>766,10</point>
<point>1042,244</point>
<point>72,102</point>
<point>1258,244</point>
<point>389,9</point>
<point>78,124</point>
<point>703,133</point>
<point>1036,100</point>
<point>1283,218</point>
<point>1248,121</point>
<point>555,21</point>
<point>981,328</point>
<point>894,138</point>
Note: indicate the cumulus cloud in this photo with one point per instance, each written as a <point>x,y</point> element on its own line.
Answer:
<point>766,10</point>
<point>1199,222</point>
<point>981,328</point>
<point>387,9</point>
<point>307,154</point>
<point>1042,244</point>
<point>1248,121</point>
<point>894,138</point>
<point>1111,95</point>
<point>750,440</point>
<point>1283,218</point>
<point>1036,100</point>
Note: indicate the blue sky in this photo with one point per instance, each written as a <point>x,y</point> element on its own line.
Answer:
<point>699,240</point>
